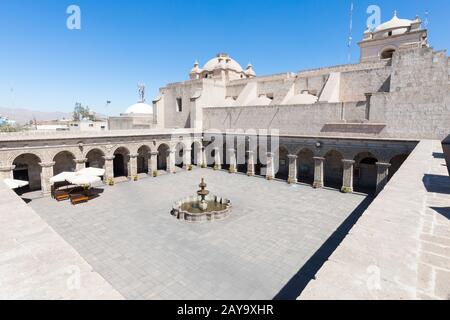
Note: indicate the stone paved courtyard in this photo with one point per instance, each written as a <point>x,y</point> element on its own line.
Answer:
<point>129,237</point>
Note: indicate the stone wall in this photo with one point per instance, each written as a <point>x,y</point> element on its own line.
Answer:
<point>409,224</point>
<point>37,263</point>
<point>409,100</point>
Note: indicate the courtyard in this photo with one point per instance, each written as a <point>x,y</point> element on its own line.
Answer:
<point>129,237</point>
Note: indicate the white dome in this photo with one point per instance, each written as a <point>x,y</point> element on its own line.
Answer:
<point>260,101</point>
<point>229,102</point>
<point>303,98</point>
<point>222,61</point>
<point>394,23</point>
<point>140,108</point>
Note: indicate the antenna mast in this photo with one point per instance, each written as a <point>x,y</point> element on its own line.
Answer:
<point>350,38</point>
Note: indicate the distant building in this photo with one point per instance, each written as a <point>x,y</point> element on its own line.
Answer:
<point>138,116</point>
<point>70,125</point>
<point>4,121</point>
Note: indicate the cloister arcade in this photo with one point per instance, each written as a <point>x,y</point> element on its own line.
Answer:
<point>346,164</point>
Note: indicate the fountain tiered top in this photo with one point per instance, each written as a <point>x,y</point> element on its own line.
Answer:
<point>202,207</point>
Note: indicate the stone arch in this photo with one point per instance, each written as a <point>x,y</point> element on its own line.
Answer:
<point>121,162</point>
<point>64,161</point>
<point>365,172</point>
<point>260,157</point>
<point>387,52</point>
<point>163,156</point>
<point>281,161</point>
<point>95,158</point>
<point>143,157</point>
<point>180,149</point>
<point>28,168</point>
<point>396,162</point>
<point>333,169</point>
<point>196,155</point>
<point>305,166</point>
<point>241,158</point>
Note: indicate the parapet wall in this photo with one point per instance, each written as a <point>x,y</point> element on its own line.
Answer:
<point>37,263</point>
<point>400,247</point>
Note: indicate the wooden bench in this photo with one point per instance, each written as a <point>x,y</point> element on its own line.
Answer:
<point>77,198</point>
<point>61,195</point>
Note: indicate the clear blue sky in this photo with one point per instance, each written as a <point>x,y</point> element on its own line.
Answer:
<point>123,42</point>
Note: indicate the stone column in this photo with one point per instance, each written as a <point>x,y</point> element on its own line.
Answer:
<point>217,160</point>
<point>133,166</point>
<point>318,172</point>
<point>270,167</point>
<point>109,168</point>
<point>6,172</point>
<point>202,161</point>
<point>250,163</point>
<point>292,176</point>
<point>382,175</point>
<point>233,162</point>
<point>171,162</point>
<point>46,174</point>
<point>153,163</point>
<point>347,178</point>
<point>187,158</point>
<point>80,164</point>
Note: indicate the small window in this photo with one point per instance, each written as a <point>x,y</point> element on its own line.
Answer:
<point>387,54</point>
<point>91,125</point>
<point>179,105</point>
<point>102,127</point>
<point>390,34</point>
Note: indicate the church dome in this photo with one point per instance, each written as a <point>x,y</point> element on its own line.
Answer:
<point>140,108</point>
<point>260,101</point>
<point>303,98</point>
<point>401,25</point>
<point>222,61</point>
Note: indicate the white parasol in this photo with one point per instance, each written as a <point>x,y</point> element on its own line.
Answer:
<point>83,180</point>
<point>63,176</point>
<point>91,172</point>
<point>14,184</point>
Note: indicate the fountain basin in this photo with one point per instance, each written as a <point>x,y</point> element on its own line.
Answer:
<point>188,209</point>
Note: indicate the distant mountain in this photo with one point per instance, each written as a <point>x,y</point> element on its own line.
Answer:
<point>23,116</point>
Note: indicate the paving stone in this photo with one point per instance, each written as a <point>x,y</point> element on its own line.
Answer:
<point>144,252</point>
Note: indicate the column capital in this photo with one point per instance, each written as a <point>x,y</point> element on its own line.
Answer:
<point>347,161</point>
<point>154,153</point>
<point>383,164</point>
<point>84,160</point>
<point>250,152</point>
<point>319,158</point>
<point>47,164</point>
<point>270,154</point>
<point>292,156</point>
<point>134,155</point>
<point>7,168</point>
<point>109,158</point>
<point>172,150</point>
<point>188,150</point>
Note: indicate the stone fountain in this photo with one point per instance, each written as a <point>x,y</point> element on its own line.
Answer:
<point>202,207</point>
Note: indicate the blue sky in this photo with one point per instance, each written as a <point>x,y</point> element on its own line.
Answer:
<point>44,66</point>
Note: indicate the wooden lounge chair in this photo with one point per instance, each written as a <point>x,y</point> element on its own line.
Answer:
<point>76,198</point>
<point>61,195</point>
<point>78,195</point>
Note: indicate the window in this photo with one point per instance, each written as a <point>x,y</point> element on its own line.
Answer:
<point>91,125</point>
<point>387,54</point>
<point>179,105</point>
